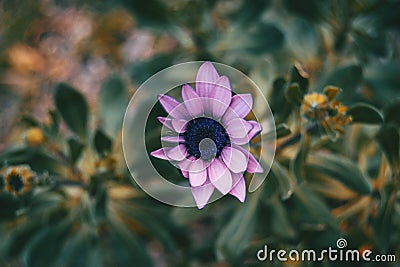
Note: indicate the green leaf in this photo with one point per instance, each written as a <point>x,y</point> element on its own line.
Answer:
<point>266,38</point>
<point>280,221</point>
<point>9,205</point>
<point>153,227</point>
<point>141,70</point>
<point>247,14</point>
<point>298,163</point>
<point>30,121</point>
<point>348,78</point>
<point>383,223</point>
<point>391,112</point>
<point>21,237</point>
<point>283,179</point>
<point>101,200</point>
<point>75,149</point>
<point>113,100</point>
<point>120,238</point>
<point>46,248</point>
<point>236,235</point>
<point>389,141</point>
<point>102,143</point>
<point>80,246</point>
<point>148,13</point>
<point>297,77</point>
<point>279,104</point>
<point>341,169</point>
<point>364,113</point>
<point>37,159</point>
<point>294,94</point>
<point>310,209</point>
<point>282,130</point>
<point>72,107</point>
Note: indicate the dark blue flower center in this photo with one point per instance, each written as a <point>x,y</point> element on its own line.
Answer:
<point>15,181</point>
<point>205,138</point>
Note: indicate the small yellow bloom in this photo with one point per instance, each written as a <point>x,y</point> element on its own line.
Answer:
<point>324,108</point>
<point>34,137</point>
<point>19,179</point>
<point>315,106</point>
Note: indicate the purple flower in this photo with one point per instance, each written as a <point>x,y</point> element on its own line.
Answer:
<point>209,131</point>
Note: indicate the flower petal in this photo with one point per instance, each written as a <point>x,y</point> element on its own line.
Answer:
<point>179,125</point>
<point>160,153</point>
<point>238,128</point>
<point>255,130</point>
<point>172,139</point>
<point>173,107</point>
<point>220,176</point>
<point>197,173</point>
<point>242,104</point>
<point>239,190</point>
<point>177,153</point>
<point>185,173</point>
<point>234,159</point>
<point>166,122</point>
<point>168,103</point>
<point>206,76</point>
<point>253,165</point>
<point>193,103</point>
<point>220,97</point>
<point>202,194</point>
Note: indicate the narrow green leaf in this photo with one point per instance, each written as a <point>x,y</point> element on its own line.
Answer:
<point>9,205</point>
<point>37,159</point>
<point>383,225</point>
<point>389,141</point>
<point>113,100</point>
<point>280,222</point>
<point>121,238</point>
<point>21,237</point>
<point>72,107</point>
<point>311,209</point>
<point>341,169</point>
<point>365,113</point>
<point>75,149</point>
<point>297,164</point>
<point>283,179</point>
<point>297,77</point>
<point>45,250</point>
<point>391,112</point>
<point>235,236</point>
<point>282,130</point>
<point>102,143</point>
<point>294,94</point>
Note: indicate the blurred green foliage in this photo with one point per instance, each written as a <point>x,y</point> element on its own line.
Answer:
<point>67,68</point>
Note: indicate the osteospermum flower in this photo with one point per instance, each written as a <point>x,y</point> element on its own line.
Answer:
<point>209,131</point>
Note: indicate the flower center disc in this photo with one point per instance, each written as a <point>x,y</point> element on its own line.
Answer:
<point>16,182</point>
<point>205,138</point>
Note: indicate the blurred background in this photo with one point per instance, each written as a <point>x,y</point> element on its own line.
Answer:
<point>69,68</point>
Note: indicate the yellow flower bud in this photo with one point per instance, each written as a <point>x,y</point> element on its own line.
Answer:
<point>34,137</point>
